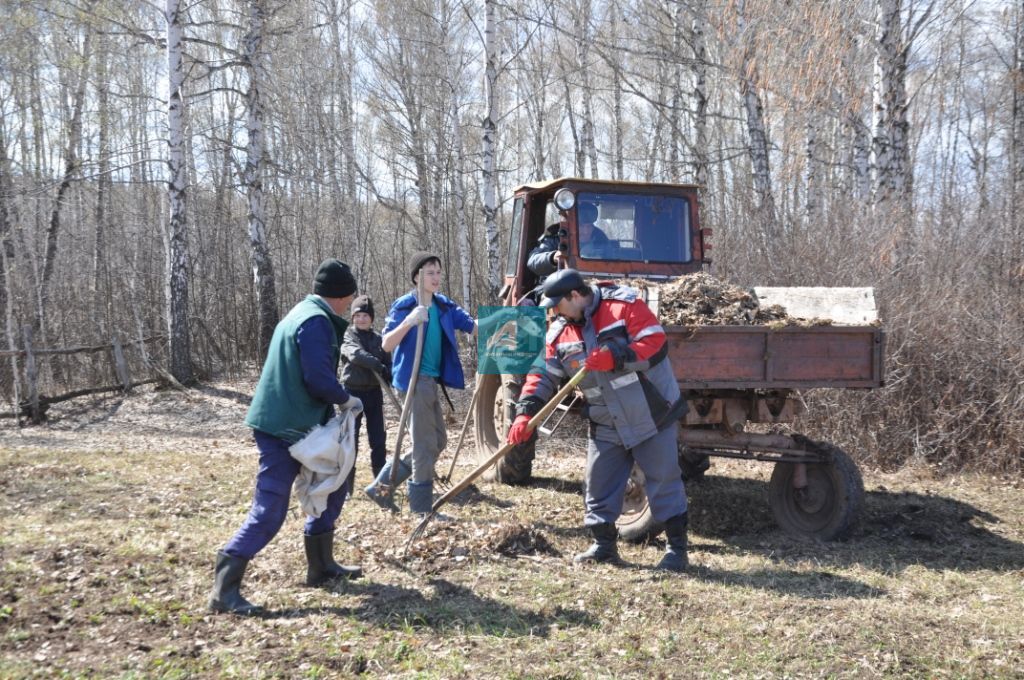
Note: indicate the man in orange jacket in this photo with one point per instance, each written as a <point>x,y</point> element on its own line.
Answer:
<point>633,403</point>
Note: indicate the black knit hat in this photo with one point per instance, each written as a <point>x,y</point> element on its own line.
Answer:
<point>334,280</point>
<point>420,260</point>
<point>363,303</point>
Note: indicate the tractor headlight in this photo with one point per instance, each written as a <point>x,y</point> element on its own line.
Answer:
<point>565,199</point>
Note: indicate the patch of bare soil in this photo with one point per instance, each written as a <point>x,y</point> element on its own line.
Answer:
<point>702,300</point>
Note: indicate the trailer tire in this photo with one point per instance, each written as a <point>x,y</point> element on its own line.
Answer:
<point>829,507</point>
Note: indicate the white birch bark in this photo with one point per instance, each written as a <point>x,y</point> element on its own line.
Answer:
<point>179,349</point>
<point>490,150</point>
<point>890,142</point>
<point>255,157</point>
<point>756,131</point>
<point>618,169</point>
<point>676,107</point>
<point>587,140</point>
<point>812,191</point>
<point>459,199</point>
<point>700,100</point>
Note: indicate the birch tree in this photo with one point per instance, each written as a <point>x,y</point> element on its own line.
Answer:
<point>262,265</point>
<point>177,240</point>
<point>489,129</point>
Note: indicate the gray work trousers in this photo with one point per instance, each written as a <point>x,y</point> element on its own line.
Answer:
<point>426,429</point>
<point>608,469</point>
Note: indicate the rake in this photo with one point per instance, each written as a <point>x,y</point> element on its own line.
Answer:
<point>498,455</point>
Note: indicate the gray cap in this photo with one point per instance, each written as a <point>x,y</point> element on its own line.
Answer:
<point>560,284</point>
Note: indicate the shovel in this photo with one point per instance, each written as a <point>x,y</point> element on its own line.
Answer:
<point>498,455</point>
<point>403,420</point>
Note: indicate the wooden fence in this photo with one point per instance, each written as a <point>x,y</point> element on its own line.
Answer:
<point>34,404</point>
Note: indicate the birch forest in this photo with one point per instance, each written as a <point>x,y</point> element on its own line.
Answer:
<point>172,172</point>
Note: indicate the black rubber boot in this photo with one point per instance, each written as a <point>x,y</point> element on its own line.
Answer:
<point>320,560</point>
<point>227,579</point>
<point>604,548</point>
<point>675,558</point>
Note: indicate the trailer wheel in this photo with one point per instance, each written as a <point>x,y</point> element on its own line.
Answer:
<point>491,420</point>
<point>828,507</point>
<point>636,524</point>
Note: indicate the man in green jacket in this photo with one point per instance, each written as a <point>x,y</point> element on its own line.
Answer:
<point>297,391</point>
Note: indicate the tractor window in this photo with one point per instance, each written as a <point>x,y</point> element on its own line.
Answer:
<point>633,227</point>
<point>511,260</point>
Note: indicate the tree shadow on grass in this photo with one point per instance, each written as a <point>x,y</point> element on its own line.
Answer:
<point>445,606</point>
<point>222,393</point>
<point>896,531</point>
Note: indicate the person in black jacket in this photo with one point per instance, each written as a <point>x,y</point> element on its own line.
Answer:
<point>363,359</point>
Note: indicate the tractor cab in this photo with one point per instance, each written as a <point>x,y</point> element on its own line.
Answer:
<point>610,229</point>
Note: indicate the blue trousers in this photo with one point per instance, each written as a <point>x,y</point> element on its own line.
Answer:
<point>373,410</point>
<point>270,500</point>
<point>608,468</point>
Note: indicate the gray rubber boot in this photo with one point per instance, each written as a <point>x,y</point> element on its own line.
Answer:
<point>421,497</point>
<point>375,491</point>
<point>675,558</point>
<point>604,548</point>
<point>227,580</point>
<point>321,566</point>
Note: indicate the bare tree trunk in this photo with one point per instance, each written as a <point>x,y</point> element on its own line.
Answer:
<point>179,343</point>
<point>1017,151</point>
<point>490,151</point>
<point>262,264</point>
<point>812,192</point>
<point>675,172</point>
<point>71,166</point>
<point>587,141</point>
<point>100,277</point>
<point>757,133</point>
<point>617,124</point>
<point>890,145</point>
<point>459,198</point>
<point>700,101</point>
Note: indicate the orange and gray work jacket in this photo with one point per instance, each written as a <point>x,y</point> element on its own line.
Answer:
<point>629,404</point>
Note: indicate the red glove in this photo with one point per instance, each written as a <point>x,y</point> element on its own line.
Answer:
<point>519,433</point>
<point>600,360</point>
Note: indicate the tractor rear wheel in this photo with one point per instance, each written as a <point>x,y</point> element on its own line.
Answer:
<point>495,411</point>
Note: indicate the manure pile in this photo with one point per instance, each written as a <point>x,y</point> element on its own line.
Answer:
<point>702,300</point>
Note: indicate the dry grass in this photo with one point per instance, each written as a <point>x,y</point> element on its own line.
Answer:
<point>112,515</point>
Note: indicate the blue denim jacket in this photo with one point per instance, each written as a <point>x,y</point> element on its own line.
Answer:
<point>452,318</point>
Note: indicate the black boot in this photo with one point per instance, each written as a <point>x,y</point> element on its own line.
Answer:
<point>320,558</point>
<point>603,549</point>
<point>227,579</point>
<point>675,558</point>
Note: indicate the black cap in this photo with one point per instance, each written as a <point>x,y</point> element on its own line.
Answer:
<point>587,213</point>
<point>334,280</point>
<point>363,303</point>
<point>560,284</point>
<point>420,260</point>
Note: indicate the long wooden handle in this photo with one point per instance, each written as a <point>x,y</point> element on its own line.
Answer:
<point>504,450</point>
<point>465,426</point>
<point>388,391</point>
<point>407,407</point>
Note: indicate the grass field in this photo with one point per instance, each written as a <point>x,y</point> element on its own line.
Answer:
<point>113,512</point>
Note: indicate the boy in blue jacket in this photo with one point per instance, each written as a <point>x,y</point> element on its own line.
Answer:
<point>439,317</point>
